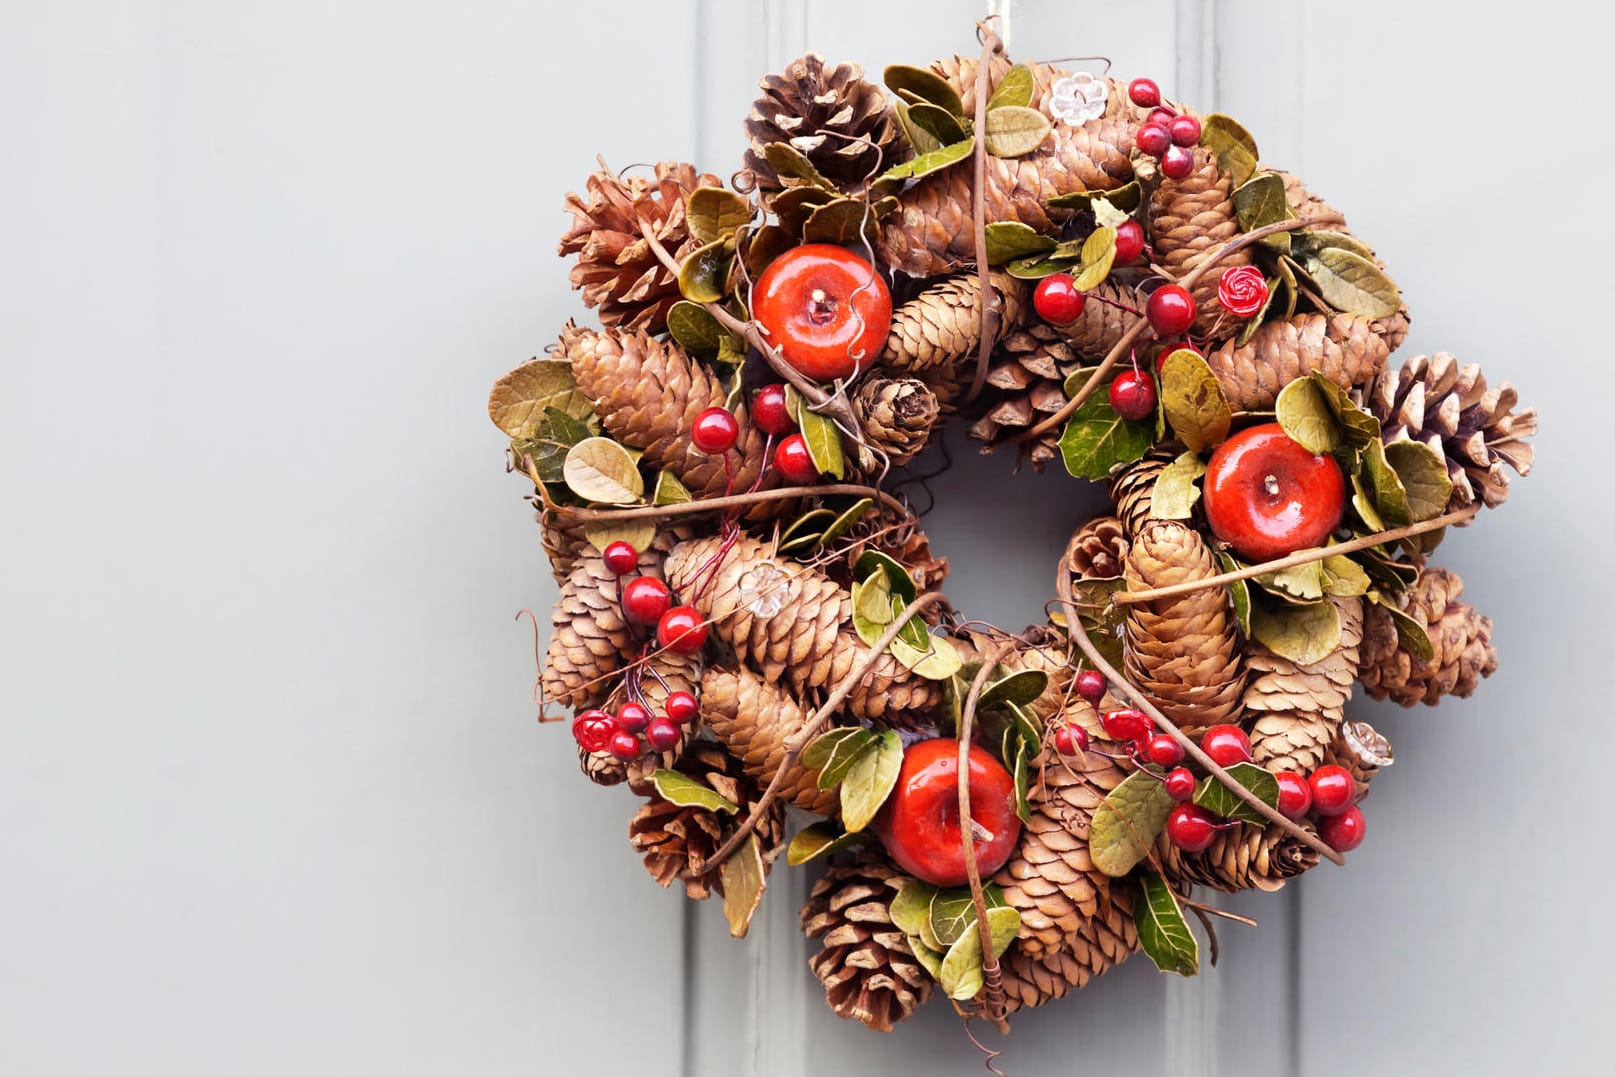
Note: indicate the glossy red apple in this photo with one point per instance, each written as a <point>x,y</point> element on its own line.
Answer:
<point>1266,496</point>
<point>919,823</point>
<point>825,309</point>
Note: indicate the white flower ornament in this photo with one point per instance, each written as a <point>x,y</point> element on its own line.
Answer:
<point>1078,98</point>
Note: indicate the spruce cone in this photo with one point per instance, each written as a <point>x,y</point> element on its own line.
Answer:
<point>1296,710</point>
<point>1462,639</point>
<point>1448,407</point>
<point>647,394</point>
<point>1189,220</point>
<point>1183,652</point>
<point>756,720</point>
<point>1026,384</point>
<point>616,269</point>
<point>591,640</point>
<point>1341,347</point>
<point>941,327</point>
<point>932,231</point>
<point>681,673</point>
<point>1243,858</point>
<point>676,842</point>
<point>1362,750</point>
<point>564,541</point>
<point>1131,487</point>
<point>1101,549</point>
<point>1100,944</point>
<point>832,115</point>
<point>788,621</point>
<point>868,971</point>
<point>895,416</point>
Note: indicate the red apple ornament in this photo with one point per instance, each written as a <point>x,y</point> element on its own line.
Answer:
<point>825,309</point>
<point>919,823</point>
<point>1266,496</point>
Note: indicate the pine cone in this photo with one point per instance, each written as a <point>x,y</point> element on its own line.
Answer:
<point>591,640</point>
<point>883,531</point>
<point>833,116</point>
<point>564,541</point>
<point>895,416</point>
<point>1039,647</point>
<point>1476,430</point>
<point>676,842</point>
<point>1131,487</point>
<point>1101,549</point>
<point>756,720</point>
<point>1243,858</point>
<point>1189,220</point>
<point>1462,639</point>
<point>665,672</point>
<point>1183,652</point>
<point>1296,710</point>
<point>868,971</point>
<point>1341,347</point>
<point>619,273</point>
<point>1362,750</point>
<point>1100,944</point>
<point>932,232</point>
<point>788,621</point>
<point>1026,384</point>
<point>941,327</point>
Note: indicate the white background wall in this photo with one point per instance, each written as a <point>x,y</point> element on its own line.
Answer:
<point>272,799</point>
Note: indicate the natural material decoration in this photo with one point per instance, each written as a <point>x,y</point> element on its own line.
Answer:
<point>751,635</point>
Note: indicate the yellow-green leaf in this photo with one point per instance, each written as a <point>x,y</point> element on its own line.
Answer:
<point>1231,144</point>
<point>744,878</point>
<point>823,439</point>
<point>921,139</point>
<point>600,470</point>
<point>1126,823</point>
<point>711,213</point>
<point>1218,799</point>
<point>1096,439</point>
<point>1390,496</point>
<point>1009,240</point>
<point>1020,687</point>
<point>1193,400</point>
<point>1014,89</point>
<point>704,276</point>
<point>1304,634</point>
<point>1424,477</point>
<point>1261,201</point>
<point>833,753</point>
<point>1299,582</point>
<point>936,660</point>
<point>790,163</point>
<point>819,840</point>
<point>638,533</point>
<point>1307,418</point>
<point>925,164</point>
<point>1343,577</point>
<point>678,788</point>
<point>919,84</point>
<point>1174,495</point>
<point>518,400</point>
<point>1015,130</point>
<point>844,222</point>
<point>870,781</point>
<point>1163,933</point>
<point>1352,283</point>
<point>1410,633</point>
<point>1125,198</point>
<point>961,974</point>
<point>910,910</point>
<point>938,122</point>
<point>843,523</point>
<point>669,490</point>
<point>1098,255</point>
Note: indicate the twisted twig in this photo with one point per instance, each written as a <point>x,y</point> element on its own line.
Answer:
<point>989,316</point>
<point>992,979</point>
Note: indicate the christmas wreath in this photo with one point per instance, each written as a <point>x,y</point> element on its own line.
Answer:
<point>751,617</point>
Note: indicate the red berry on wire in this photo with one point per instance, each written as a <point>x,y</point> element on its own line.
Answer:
<point>1132,395</point>
<point>1144,93</point>
<point>682,707</point>
<point>1180,784</point>
<point>1161,117</point>
<point>645,599</point>
<point>661,734</point>
<point>1170,310</point>
<point>1177,163</point>
<point>1125,724</point>
<point>1185,130</point>
<point>620,558</point>
<point>632,718</point>
<point>1070,739</point>
<point>793,461</point>
<point>1343,832</point>
<point>1295,795</point>
<point>1129,242</point>
<point>769,411</point>
<point>1333,789</point>
<point>1226,744</point>
<point>681,630</point>
<point>714,431</point>
<point>1057,300</point>
<point>1153,139</point>
<point>1091,686</point>
<point>1191,827</point>
<point>625,746</point>
<point>1164,751</point>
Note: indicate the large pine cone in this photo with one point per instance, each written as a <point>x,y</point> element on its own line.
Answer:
<point>1462,639</point>
<point>618,272</point>
<point>665,672</point>
<point>1026,384</point>
<point>895,416</point>
<point>1189,220</point>
<point>791,622</point>
<point>868,971</point>
<point>1100,944</point>
<point>941,327</point>
<point>1243,858</point>
<point>1448,407</point>
<point>564,541</point>
<point>832,115</point>
<point>756,720</point>
<point>592,639</point>
<point>1182,652</point>
<point>676,842</point>
<point>1342,347</point>
<point>1296,710</point>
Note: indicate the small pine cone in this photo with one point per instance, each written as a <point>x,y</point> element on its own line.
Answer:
<point>868,971</point>
<point>1462,639</point>
<point>895,416</point>
<point>941,327</point>
<point>665,672</point>
<point>1189,220</point>
<point>906,544</point>
<point>1294,710</point>
<point>1026,384</point>
<point>676,842</point>
<point>1362,750</point>
<point>756,720</point>
<point>832,115</point>
<point>564,541</point>
<point>616,269</point>
<point>591,640</point>
<point>1448,407</point>
<point>647,394</point>
<point>1131,487</point>
<point>789,621</point>
<point>1100,944</point>
<point>1242,858</point>
<point>1341,347</point>
<point>1101,549</point>
<point>1183,652</point>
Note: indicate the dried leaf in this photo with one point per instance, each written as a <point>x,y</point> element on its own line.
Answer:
<point>1096,439</point>
<point>823,439</point>
<point>1343,577</point>
<point>1020,687</point>
<point>1098,255</point>
<point>1297,583</point>
<point>554,437</point>
<point>1009,240</point>
<point>1352,283</point>
<point>1261,201</point>
<point>938,122</point>
<point>1304,634</point>
<point>1015,130</point>
<point>1410,633</point>
<point>711,213</point>
<point>922,140</point>
<point>910,910</point>
<point>923,165</point>
<point>1311,242</point>
<point>1193,400</point>
<point>1126,823</point>
<point>844,522</point>
<point>1014,89</point>
<point>1125,198</point>
<point>819,840</point>
<point>681,789</point>
<point>518,400</point>
<point>744,878</point>
<point>1390,498</point>
<point>704,276</point>
<point>833,753</point>
<point>870,781</point>
<point>1174,494</point>
<point>844,222</point>
<point>791,164</point>
<point>1163,933</point>
<point>669,490</point>
<point>601,471</point>
<point>1232,145</point>
<point>897,577</point>
<point>1306,417</point>
<point>638,533</point>
<point>923,85</point>
<point>1424,478</point>
<point>1218,799</point>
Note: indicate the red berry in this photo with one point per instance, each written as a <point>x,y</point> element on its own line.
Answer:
<point>1343,832</point>
<point>681,630</point>
<point>1185,130</point>
<point>1153,139</point>
<point>632,718</point>
<point>625,746</point>
<point>1164,751</point>
<point>1170,310</point>
<point>1333,789</point>
<point>1144,93</point>
<point>682,707</point>
<point>1091,686</point>
<point>1226,744</point>
<point>593,730</point>
<point>1295,795</point>
<point>620,558</point>
<point>794,462</point>
<point>1175,346</point>
<point>645,599</point>
<point>714,431</point>
<point>1132,395</point>
<point>662,734</point>
<point>1057,300</point>
<point>1161,117</point>
<point>769,412</point>
<point>1070,739</point>
<point>1191,827</point>
<point>825,309</point>
<point>1266,496</point>
<point>1125,724</point>
<point>1180,784</point>
<point>1129,242</point>
<point>1177,163</point>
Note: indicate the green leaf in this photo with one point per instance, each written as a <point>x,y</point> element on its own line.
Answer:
<point>1015,131</point>
<point>1096,439</point>
<point>1261,201</point>
<point>744,877</point>
<point>1298,582</point>
<point>1098,255</point>
<point>897,576</point>
<point>1024,721</point>
<point>791,164</point>
<point>711,213</point>
<point>833,751</point>
<point>1009,240</point>
<point>1218,799</point>
<point>843,523</point>
<point>1390,497</point>
<point>961,974</point>
<point>844,222</point>
<point>823,439</point>
<point>1311,242</point>
<point>1038,268</point>
<point>704,276</point>
<point>694,328</point>
<point>871,608</point>
<point>922,140</point>
<point>932,657</point>
<point>1174,495</point>
<point>953,914</point>
<point>1125,198</point>
<point>1343,577</point>
<point>819,840</point>
<point>520,398</point>
<point>1423,474</point>
<point>601,471</point>
<point>1352,283</point>
<point>1163,933</point>
<point>1358,427</point>
<point>924,85</point>
<point>929,959</point>
<point>553,438</point>
<point>1014,89</point>
<point>1126,823</point>
<point>943,126</point>
<point>669,490</point>
<point>1232,145</point>
<point>765,244</point>
<point>911,908</point>
<point>924,164</point>
<point>1304,634</point>
<point>870,781</point>
<point>1305,414</point>
<point>1021,770</point>
<point>1239,594</point>
<point>679,788</point>
<point>1193,400</point>
<point>1020,687</point>
<point>1410,633</point>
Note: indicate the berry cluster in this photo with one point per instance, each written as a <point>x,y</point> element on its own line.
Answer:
<point>648,601</point>
<point>633,730</point>
<point>1165,134</point>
